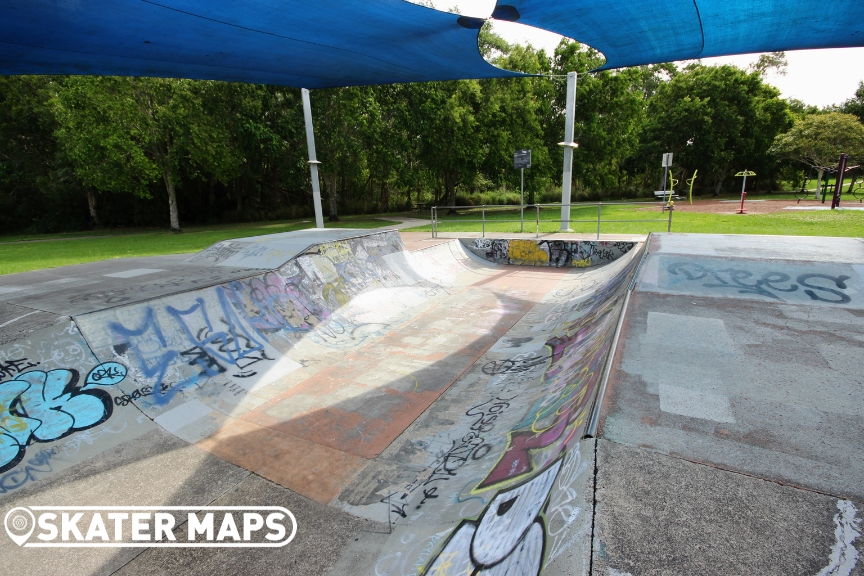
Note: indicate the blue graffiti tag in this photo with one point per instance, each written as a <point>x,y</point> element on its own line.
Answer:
<point>41,406</point>
<point>235,347</point>
<point>208,349</point>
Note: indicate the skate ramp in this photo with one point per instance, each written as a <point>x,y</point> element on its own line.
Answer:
<point>557,253</point>
<point>60,404</point>
<point>495,475</point>
<point>427,390</point>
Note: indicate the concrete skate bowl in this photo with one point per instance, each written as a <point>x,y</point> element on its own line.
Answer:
<point>435,391</point>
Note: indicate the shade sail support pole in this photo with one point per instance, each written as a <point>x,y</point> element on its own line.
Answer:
<point>569,145</point>
<point>313,161</point>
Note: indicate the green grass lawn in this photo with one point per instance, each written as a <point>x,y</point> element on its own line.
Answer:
<point>816,223</point>
<point>21,256</point>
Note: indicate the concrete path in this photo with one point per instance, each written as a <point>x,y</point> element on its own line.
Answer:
<point>734,421</point>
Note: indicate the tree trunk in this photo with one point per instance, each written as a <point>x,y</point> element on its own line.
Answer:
<point>91,205</point>
<point>385,196</point>
<point>172,203</point>
<point>450,187</point>
<point>720,180</point>
<point>211,198</point>
<point>330,184</point>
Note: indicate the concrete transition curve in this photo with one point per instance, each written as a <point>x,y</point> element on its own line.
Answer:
<point>438,391</point>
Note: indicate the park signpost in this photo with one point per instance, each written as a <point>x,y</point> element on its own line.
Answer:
<point>522,160</point>
<point>666,165</point>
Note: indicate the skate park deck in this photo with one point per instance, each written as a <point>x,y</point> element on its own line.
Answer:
<point>424,412</point>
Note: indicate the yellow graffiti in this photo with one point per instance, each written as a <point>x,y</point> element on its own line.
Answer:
<point>445,564</point>
<point>543,413</point>
<point>13,423</point>
<point>337,291</point>
<point>416,382</point>
<point>527,252</point>
<point>337,252</point>
<point>582,263</point>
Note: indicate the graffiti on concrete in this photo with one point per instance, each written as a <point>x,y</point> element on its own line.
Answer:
<point>526,469</point>
<point>819,287</point>
<point>574,364</point>
<point>509,536</point>
<point>12,367</point>
<point>218,252</point>
<point>557,253</point>
<point>38,465</point>
<point>565,514</point>
<point>273,303</point>
<point>38,406</point>
<point>844,555</point>
<point>241,330</point>
<point>199,342</point>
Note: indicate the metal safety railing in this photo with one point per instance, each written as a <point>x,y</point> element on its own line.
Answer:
<point>436,221</point>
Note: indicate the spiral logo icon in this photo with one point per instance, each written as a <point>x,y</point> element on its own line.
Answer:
<point>19,523</point>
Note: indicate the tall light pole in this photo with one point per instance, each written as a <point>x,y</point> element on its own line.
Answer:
<point>313,161</point>
<point>569,145</point>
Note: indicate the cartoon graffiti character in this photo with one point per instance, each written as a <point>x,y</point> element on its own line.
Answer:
<point>508,539</point>
<point>41,406</point>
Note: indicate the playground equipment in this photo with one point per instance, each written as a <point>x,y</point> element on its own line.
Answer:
<point>744,173</point>
<point>803,192</point>
<point>691,181</point>
<point>823,178</point>
<point>858,191</point>
<point>856,186</point>
<point>843,169</point>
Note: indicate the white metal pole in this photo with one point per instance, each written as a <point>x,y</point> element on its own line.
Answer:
<point>313,161</point>
<point>569,145</point>
<point>522,203</point>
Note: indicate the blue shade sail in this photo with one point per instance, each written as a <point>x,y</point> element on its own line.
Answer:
<point>633,32</point>
<point>301,43</point>
<point>325,43</point>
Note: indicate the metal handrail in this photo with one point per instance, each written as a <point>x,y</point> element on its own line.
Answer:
<point>435,220</point>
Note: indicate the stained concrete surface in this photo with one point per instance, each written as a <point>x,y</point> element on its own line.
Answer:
<point>748,246</point>
<point>744,375</point>
<point>16,321</point>
<point>84,288</point>
<point>657,514</point>
<point>733,425</point>
<point>321,534</point>
<point>765,389</point>
<point>151,470</point>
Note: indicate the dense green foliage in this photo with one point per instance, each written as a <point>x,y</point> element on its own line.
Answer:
<point>819,139</point>
<point>78,152</point>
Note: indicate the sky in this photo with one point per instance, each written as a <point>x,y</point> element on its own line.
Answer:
<point>816,77</point>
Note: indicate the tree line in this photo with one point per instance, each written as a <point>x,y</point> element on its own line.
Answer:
<point>84,151</point>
